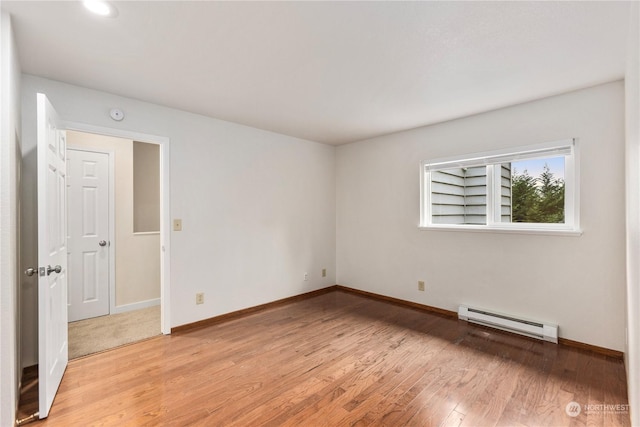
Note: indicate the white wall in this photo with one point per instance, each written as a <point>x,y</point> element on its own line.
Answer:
<point>10,369</point>
<point>258,208</point>
<point>632,98</point>
<point>577,282</point>
<point>137,260</point>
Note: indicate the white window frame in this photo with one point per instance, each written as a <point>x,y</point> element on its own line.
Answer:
<point>567,148</point>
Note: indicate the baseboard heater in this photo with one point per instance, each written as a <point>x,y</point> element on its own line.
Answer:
<point>542,331</point>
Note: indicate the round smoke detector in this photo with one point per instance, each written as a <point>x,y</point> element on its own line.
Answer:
<point>116,114</point>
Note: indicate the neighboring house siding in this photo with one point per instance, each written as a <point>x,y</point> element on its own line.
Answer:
<point>475,195</point>
<point>448,196</point>
<point>459,196</point>
<point>505,196</point>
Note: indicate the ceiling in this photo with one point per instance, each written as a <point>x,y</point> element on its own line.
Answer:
<point>332,72</point>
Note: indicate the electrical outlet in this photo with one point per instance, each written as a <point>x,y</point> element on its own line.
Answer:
<point>306,276</point>
<point>200,298</point>
<point>177,225</point>
<point>324,272</point>
<point>420,285</point>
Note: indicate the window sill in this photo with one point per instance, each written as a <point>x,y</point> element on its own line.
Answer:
<point>486,229</point>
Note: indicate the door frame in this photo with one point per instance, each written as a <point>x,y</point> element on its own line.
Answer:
<point>112,219</point>
<point>165,208</point>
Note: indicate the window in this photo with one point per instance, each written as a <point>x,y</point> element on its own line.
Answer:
<point>531,189</point>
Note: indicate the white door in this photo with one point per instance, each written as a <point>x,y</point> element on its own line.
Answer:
<point>52,255</point>
<point>88,221</point>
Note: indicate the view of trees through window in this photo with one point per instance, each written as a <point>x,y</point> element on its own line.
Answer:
<point>538,191</point>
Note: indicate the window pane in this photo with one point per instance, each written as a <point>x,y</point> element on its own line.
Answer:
<point>459,196</point>
<point>536,193</point>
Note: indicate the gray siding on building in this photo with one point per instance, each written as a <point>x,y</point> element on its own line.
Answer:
<point>447,196</point>
<point>459,195</point>
<point>475,182</point>
<point>505,196</point>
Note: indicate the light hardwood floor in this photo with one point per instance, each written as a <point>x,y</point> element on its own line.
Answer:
<point>341,359</point>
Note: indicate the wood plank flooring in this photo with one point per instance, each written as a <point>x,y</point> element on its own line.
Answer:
<point>340,359</point>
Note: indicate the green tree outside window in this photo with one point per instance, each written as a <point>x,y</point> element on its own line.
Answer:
<point>537,199</point>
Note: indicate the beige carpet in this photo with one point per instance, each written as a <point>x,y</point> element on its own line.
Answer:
<point>105,332</point>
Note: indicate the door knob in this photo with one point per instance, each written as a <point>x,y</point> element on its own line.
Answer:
<point>31,271</point>
<point>102,243</point>
<point>56,269</point>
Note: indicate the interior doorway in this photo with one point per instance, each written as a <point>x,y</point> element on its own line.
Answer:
<point>114,256</point>
<point>51,314</point>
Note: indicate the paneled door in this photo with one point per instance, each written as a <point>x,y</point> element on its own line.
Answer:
<point>88,211</point>
<point>52,254</point>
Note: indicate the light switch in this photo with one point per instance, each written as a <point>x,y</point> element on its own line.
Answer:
<point>177,225</point>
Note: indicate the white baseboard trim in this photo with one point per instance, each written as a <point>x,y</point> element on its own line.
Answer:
<point>135,306</point>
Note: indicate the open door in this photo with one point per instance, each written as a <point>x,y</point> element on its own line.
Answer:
<point>52,254</point>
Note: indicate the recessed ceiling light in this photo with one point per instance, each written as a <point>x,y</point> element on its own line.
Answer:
<point>101,8</point>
